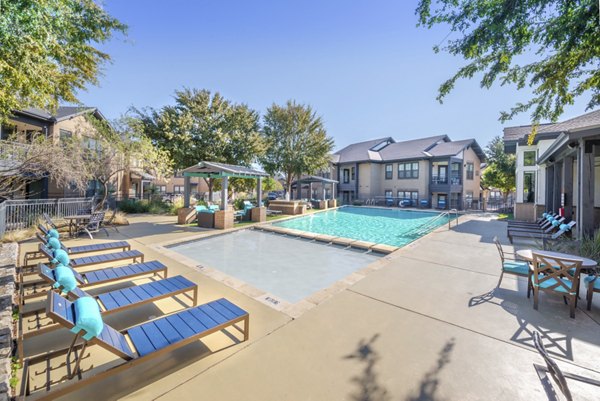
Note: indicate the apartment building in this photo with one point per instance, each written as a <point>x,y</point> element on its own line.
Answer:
<point>433,171</point>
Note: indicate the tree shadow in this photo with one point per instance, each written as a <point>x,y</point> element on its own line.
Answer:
<point>368,387</point>
<point>431,381</point>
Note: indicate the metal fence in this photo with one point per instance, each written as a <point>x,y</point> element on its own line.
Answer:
<point>17,214</point>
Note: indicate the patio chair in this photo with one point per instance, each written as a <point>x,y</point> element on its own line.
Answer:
<point>132,254</point>
<point>593,285</point>
<point>146,341</point>
<point>559,377</point>
<point>511,265</point>
<point>51,223</point>
<point>110,223</point>
<point>29,290</point>
<point>94,225</point>
<point>557,276</point>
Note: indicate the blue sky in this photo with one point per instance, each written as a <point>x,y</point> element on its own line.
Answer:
<point>364,66</point>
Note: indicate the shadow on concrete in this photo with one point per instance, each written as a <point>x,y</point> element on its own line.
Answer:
<point>430,383</point>
<point>556,336</point>
<point>368,387</point>
<point>486,230</point>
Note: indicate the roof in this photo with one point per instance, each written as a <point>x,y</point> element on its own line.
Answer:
<point>62,113</point>
<point>315,178</point>
<point>361,151</point>
<point>412,149</point>
<point>455,147</point>
<point>588,120</point>
<point>216,170</point>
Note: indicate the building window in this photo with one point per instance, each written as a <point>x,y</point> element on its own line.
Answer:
<point>408,170</point>
<point>529,158</point>
<point>389,168</point>
<point>346,176</point>
<point>161,188</point>
<point>529,187</point>
<point>470,171</point>
<point>178,189</point>
<point>412,196</point>
<point>388,193</point>
<point>64,134</point>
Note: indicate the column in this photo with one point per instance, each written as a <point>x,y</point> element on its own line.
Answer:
<point>585,207</point>
<point>259,192</point>
<point>557,185</point>
<point>224,193</point>
<point>310,191</point>
<point>186,191</point>
<point>550,207</point>
<point>568,187</point>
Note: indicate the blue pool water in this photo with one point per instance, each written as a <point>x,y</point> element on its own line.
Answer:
<point>394,227</point>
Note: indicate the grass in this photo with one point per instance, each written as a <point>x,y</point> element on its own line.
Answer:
<point>506,216</point>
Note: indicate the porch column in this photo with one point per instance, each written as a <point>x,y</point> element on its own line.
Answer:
<point>550,207</point>
<point>568,187</point>
<point>186,191</point>
<point>224,193</point>
<point>323,188</point>
<point>585,206</point>
<point>557,185</point>
<point>333,190</point>
<point>259,191</point>
<point>309,190</point>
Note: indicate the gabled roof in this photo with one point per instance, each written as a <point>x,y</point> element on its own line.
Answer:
<point>62,113</point>
<point>455,147</point>
<point>362,151</point>
<point>215,170</point>
<point>413,149</point>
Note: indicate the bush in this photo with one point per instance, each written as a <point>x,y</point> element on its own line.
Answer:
<point>238,204</point>
<point>133,206</point>
<point>178,204</point>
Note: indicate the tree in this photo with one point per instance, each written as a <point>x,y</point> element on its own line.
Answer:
<point>201,127</point>
<point>121,146</point>
<point>49,51</point>
<point>296,141</point>
<point>25,163</point>
<point>271,184</point>
<point>499,37</point>
<point>500,171</point>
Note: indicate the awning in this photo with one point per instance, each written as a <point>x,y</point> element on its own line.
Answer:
<point>220,170</point>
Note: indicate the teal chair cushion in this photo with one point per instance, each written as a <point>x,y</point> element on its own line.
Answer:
<point>214,207</point>
<point>565,227</point>
<point>54,243</point>
<point>544,214</point>
<point>592,279</point>
<point>61,257</point>
<point>87,318</point>
<point>516,267</point>
<point>65,279</point>
<point>53,234</point>
<point>556,223</point>
<point>551,282</point>
<point>200,208</point>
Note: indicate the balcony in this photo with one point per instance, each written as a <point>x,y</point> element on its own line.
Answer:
<point>443,183</point>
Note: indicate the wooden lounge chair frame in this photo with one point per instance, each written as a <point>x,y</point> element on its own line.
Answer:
<point>132,358</point>
<point>132,270</point>
<point>559,377</point>
<point>547,268</point>
<point>181,284</point>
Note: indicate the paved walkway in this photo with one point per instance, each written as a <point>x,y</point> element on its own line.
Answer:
<point>430,325</point>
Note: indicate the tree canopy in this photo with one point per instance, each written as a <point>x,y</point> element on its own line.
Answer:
<point>500,171</point>
<point>296,140</point>
<point>550,46</point>
<point>49,50</point>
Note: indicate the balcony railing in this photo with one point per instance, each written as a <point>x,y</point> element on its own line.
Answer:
<point>443,180</point>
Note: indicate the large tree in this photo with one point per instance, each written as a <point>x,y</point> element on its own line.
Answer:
<point>500,170</point>
<point>49,51</point>
<point>204,127</point>
<point>550,46</point>
<point>297,142</point>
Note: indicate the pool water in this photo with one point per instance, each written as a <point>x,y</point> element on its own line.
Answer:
<point>395,227</point>
<point>288,268</point>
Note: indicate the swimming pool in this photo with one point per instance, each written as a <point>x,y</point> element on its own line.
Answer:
<point>395,227</point>
<point>288,269</point>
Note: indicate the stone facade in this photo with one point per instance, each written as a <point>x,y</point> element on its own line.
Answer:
<point>8,260</point>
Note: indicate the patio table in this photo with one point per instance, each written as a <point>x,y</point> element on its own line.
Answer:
<point>586,264</point>
<point>74,222</point>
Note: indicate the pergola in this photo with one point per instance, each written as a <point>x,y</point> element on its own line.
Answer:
<point>314,179</point>
<point>222,171</point>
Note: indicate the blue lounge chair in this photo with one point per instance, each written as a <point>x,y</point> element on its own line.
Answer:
<point>34,289</point>
<point>148,340</point>
<point>132,254</point>
<point>563,229</point>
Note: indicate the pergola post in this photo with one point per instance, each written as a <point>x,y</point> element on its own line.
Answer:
<point>186,191</point>
<point>333,190</point>
<point>259,192</point>
<point>310,191</point>
<point>224,193</point>
<point>324,192</point>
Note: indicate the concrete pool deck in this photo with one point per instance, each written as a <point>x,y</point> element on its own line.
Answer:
<point>427,325</point>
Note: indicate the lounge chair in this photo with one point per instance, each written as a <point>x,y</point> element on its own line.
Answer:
<point>563,228</point>
<point>511,265</point>
<point>109,302</point>
<point>93,226</point>
<point>51,223</point>
<point>146,341</point>
<point>133,254</point>
<point>552,227</point>
<point>543,218</point>
<point>559,377</point>
<point>545,223</point>
<point>593,285</point>
<point>89,278</point>
<point>556,276</point>
<point>75,250</point>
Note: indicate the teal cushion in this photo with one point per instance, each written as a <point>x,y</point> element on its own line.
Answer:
<point>214,207</point>
<point>54,243</point>
<point>53,234</point>
<point>65,279</point>
<point>592,279</point>
<point>549,218</point>
<point>61,256</point>
<point>87,318</point>
<point>516,267</point>
<point>200,208</point>
<point>555,223</point>
<point>565,227</point>
<point>551,281</point>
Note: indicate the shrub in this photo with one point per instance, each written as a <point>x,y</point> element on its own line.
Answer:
<point>133,206</point>
<point>178,204</point>
<point>238,204</point>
